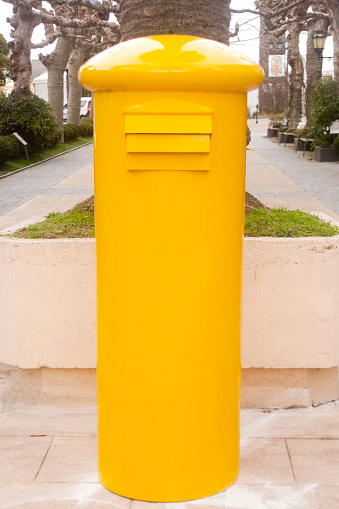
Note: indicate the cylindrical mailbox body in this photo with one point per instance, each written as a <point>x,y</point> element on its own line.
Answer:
<point>170,137</point>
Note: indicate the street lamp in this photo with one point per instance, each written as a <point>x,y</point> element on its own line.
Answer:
<point>319,39</point>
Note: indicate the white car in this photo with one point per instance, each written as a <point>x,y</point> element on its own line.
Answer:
<point>85,108</point>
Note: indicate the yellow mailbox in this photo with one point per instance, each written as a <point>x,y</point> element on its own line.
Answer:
<point>170,137</point>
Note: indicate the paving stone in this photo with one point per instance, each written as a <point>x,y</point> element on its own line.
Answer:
<point>50,421</point>
<point>315,461</point>
<point>266,177</point>
<point>265,461</point>
<point>21,457</point>
<point>59,496</point>
<point>319,422</point>
<point>83,179</point>
<point>70,459</point>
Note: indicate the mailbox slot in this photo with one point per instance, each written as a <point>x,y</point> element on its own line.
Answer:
<point>168,135</point>
<point>169,143</point>
<point>170,124</point>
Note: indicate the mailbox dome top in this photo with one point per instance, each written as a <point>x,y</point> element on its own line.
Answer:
<point>171,62</point>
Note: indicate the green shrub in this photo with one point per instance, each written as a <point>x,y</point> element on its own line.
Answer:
<point>71,132</point>
<point>87,120</point>
<point>325,110</point>
<point>86,128</point>
<point>9,147</point>
<point>303,133</point>
<point>31,117</point>
<point>276,117</point>
<point>336,143</point>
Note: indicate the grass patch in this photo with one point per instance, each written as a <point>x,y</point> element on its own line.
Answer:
<point>79,222</point>
<point>75,223</point>
<point>20,162</point>
<point>287,223</point>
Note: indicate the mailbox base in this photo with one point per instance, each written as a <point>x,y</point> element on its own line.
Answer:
<point>175,494</point>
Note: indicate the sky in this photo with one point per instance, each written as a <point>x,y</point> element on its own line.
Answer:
<point>248,42</point>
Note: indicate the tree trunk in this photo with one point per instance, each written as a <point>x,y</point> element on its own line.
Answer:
<point>333,8</point>
<point>75,89</point>
<point>56,63</point>
<point>313,65</point>
<point>23,23</point>
<point>296,76</point>
<point>201,18</point>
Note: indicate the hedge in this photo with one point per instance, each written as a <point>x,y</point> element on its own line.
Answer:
<point>9,147</point>
<point>31,117</point>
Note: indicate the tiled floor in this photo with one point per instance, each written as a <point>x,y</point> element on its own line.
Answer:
<point>289,459</point>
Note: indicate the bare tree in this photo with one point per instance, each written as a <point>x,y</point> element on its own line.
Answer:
<point>314,64</point>
<point>292,17</point>
<point>333,10</point>
<point>28,14</point>
<point>88,42</point>
<point>23,22</point>
<point>294,59</point>
<point>74,95</point>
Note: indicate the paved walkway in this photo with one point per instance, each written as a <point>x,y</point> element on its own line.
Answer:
<point>317,180</point>
<point>57,185</point>
<point>275,175</point>
<point>289,459</point>
<point>280,178</point>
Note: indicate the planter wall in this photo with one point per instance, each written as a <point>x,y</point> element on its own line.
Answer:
<point>326,155</point>
<point>290,347</point>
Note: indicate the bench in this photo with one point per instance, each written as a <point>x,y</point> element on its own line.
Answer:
<point>284,137</point>
<point>272,132</point>
<point>301,144</point>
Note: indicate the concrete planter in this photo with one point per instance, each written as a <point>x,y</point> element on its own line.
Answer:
<point>298,144</point>
<point>284,137</point>
<point>326,155</point>
<point>272,132</point>
<point>290,350</point>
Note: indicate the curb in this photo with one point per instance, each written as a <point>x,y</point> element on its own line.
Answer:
<point>48,159</point>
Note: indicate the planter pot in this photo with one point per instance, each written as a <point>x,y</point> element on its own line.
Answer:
<point>285,138</point>
<point>326,155</point>
<point>272,132</point>
<point>298,144</point>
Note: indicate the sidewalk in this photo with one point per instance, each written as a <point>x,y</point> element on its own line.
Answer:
<point>280,178</point>
<point>289,459</point>
<point>275,175</point>
<point>52,186</point>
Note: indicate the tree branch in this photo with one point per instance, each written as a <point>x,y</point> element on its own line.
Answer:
<point>48,40</point>
<point>269,13</point>
<point>105,7</point>
<point>77,23</point>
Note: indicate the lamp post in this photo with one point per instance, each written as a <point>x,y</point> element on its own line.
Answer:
<point>319,39</point>
<point>257,113</point>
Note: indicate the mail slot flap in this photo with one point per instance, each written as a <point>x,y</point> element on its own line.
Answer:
<point>168,116</point>
<point>170,143</point>
<point>168,124</point>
